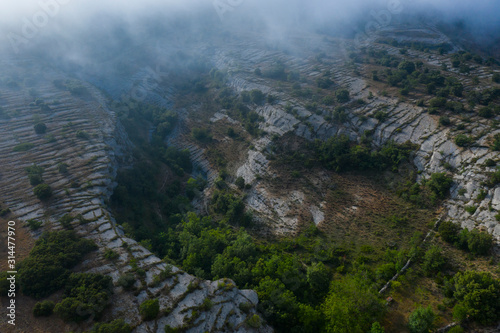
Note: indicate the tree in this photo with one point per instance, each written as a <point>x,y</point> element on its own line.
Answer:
<point>449,231</point>
<point>440,184</point>
<point>420,320</point>
<point>463,140</point>
<point>85,295</point>
<point>35,179</point>
<point>342,95</point>
<point>377,328</point>
<point>486,112</point>
<point>201,134</point>
<point>149,309</point>
<point>35,174</point>
<point>72,310</point>
<point>40,128</point>
<point>407,66</point>
<point>318,277</point>
<point>39,277</point>
<point>475,241</point>
<point>43,309</point>
<point>240,182</point>
<point>254,321</point>
<point>385,271</point>
<point>496,78</point>
<point>479,242</point>
<point>126,281</point>
<point>257,96</point>
<point>444,120</point>
<point>278,304</point>
<point>351,306</point>
<point>478,295</point>
<point>42,191</point>
<point>437,102</point>
<point>46,268</point>
<point>434,260</point>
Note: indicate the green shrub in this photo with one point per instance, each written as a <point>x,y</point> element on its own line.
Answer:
<point>271,98</point>
<point>318,276</point>
<point>43,309</point>
<point>342,95</point>
<point>81,134</point>
<point>351,305</point>
<point>420,320</point>
<point>496,78</point>
<point>85,295</point>
<point>149,309</point>
<point>201,134</point>
<point>477,294</point>
<point>254,321</point>
<point>126,281</point>
<point>481,195</point>
<point>207,304</point>
<point>385,271</point>
<point>42,191</point>
<point>470,209</point>
<point>4,212</point>
<point>444,120</point>
<point>490,163</point>
<point>434,261</point>
<point>76,88</point>
<point>328,100</point>
<point>245,307</point>
<point>35,174</point>
<point>407,66</point>
<point>324,82</point>
<point>437,102</point>
<point>23,147</point>
<point>496,142</point>
<point>377,328</point>
<point>111,255</point>
<point>66,220</point>
<point>456,329</point>
<point>449,231</point>
<point>440,184</point>
<point>463,140</point>
<point>339,115</point>
<point>479,242</point>
<point>35,179</point>
<point>62,168</point>
<point>494,178</point>
<point>486,112</point>
<point>240,182</point>
<point>257,96</point>
<point>40,128</point>
<point>116,326</point>
<point>47,267</point>
<point>380,115</point>
<point>34,224</point>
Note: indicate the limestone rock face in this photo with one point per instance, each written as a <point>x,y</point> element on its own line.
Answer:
<point>83,133</point>
<point>403,122</point>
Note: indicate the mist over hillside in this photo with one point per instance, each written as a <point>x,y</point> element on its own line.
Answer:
<point>250,166</point>
<point>86,29</point>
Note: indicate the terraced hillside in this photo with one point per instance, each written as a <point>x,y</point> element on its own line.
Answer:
<point>375,109</point>
<point>254,116</point>
<point>79,152</point>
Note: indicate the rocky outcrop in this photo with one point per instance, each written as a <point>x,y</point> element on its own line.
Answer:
<point>404,121</point>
